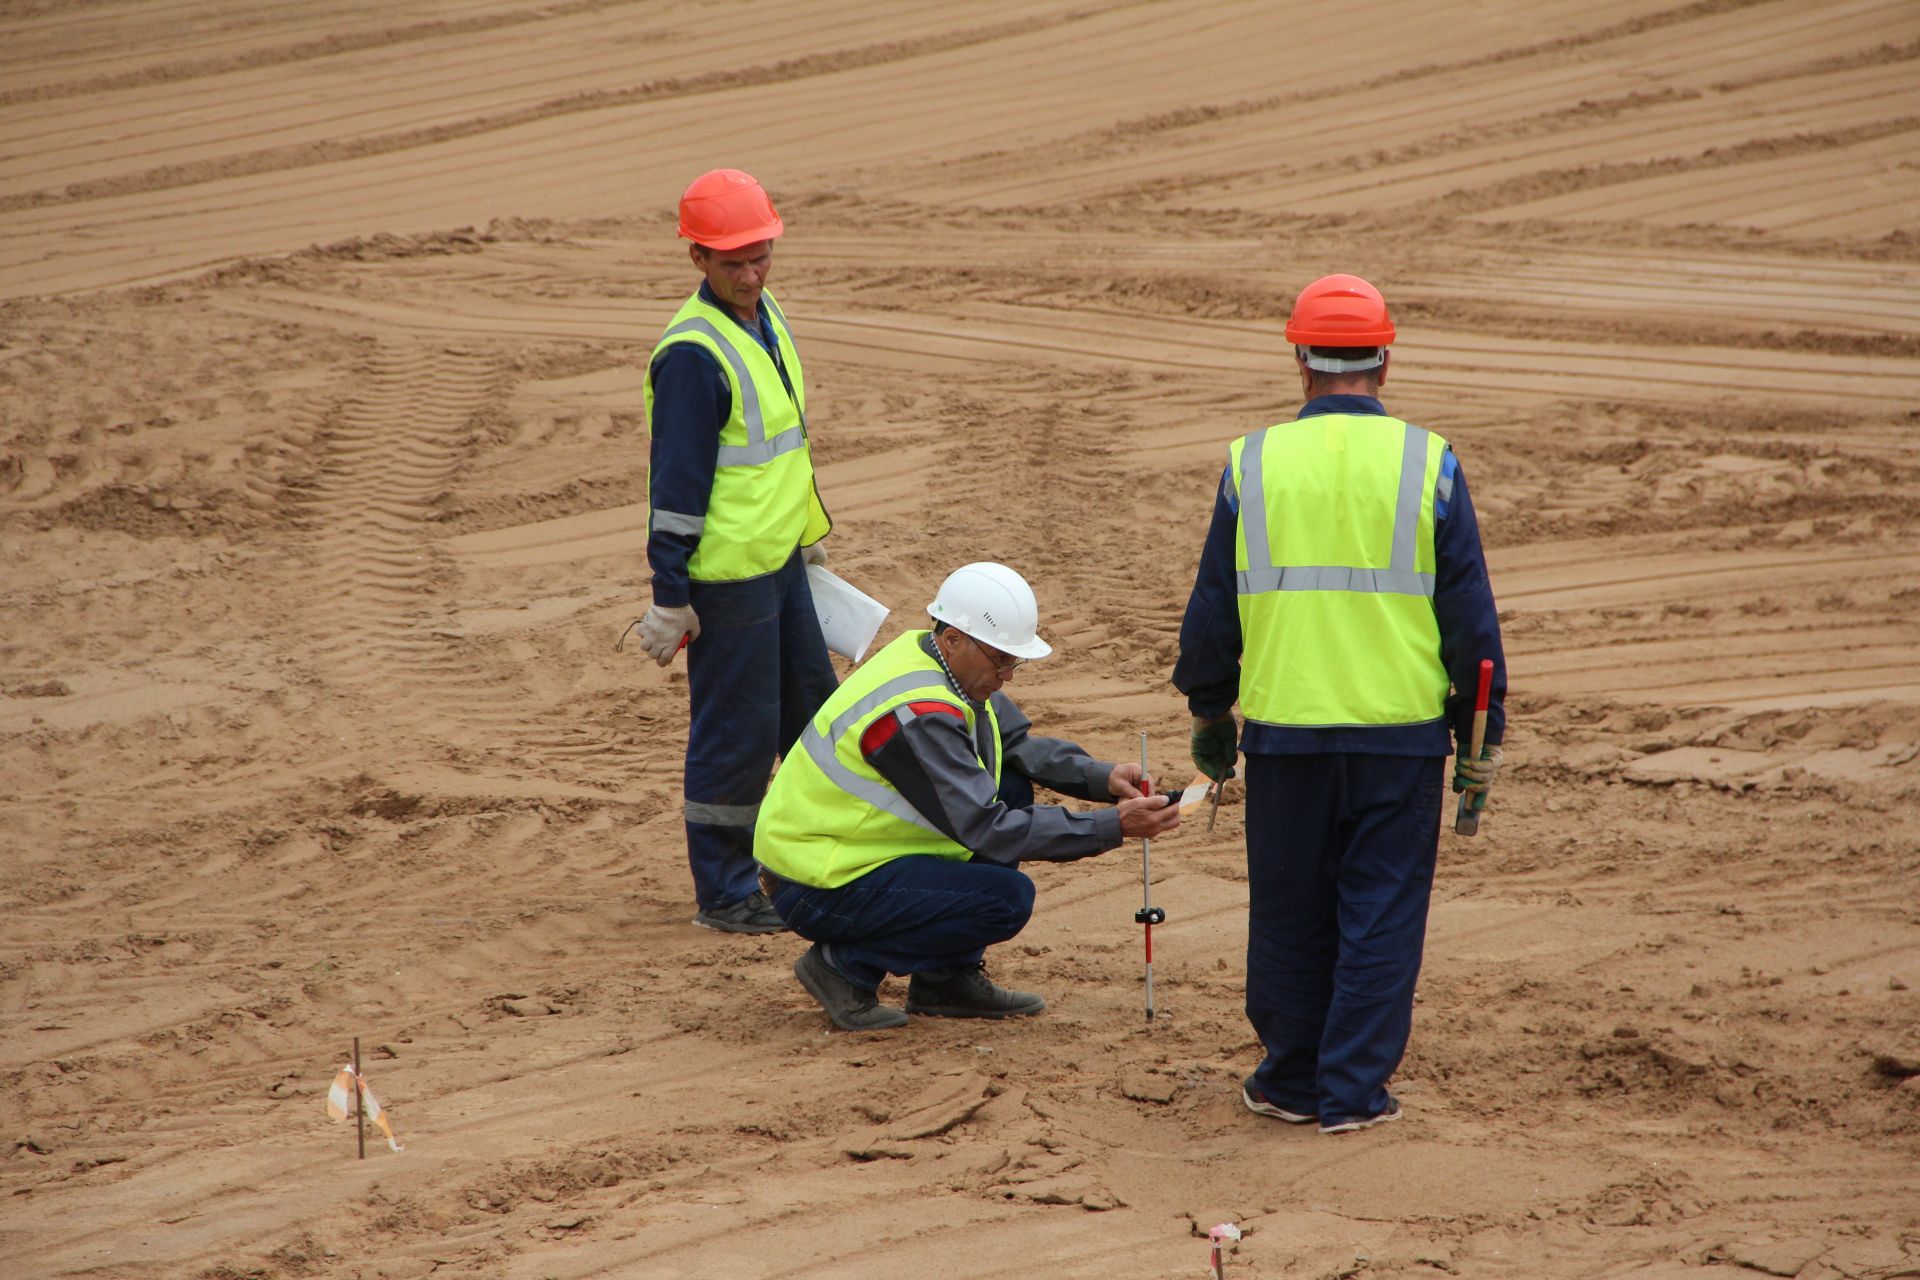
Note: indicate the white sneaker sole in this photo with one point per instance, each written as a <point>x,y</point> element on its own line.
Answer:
<point>1268,1109</point>
<point>1354,1126</point>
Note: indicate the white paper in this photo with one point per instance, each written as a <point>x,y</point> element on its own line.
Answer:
<point>849,617</point>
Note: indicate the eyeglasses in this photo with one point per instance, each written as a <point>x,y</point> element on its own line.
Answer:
<point>1004,664</point>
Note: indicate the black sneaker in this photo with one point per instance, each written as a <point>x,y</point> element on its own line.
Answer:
<point>1357,1123</point>
<point>851,1008</point>
<point>1257,1103</point>
<point>968,994</point>
<point>752,914</point>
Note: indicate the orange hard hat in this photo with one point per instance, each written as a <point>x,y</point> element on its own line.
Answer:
<point>725,208</point>
<point>1340,311</point>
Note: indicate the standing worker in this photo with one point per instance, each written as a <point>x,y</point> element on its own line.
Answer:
<point>892,838</point>
<point>735,518</point>
<point>1342,589</point>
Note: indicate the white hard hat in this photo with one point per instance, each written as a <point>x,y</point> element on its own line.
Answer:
<point>995,606</point>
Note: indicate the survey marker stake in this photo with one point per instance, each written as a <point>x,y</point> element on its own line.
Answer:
<point>365,1106</point>
<point>1225,1234</point>
<point>1148,915</point>
<point>1466,820</point>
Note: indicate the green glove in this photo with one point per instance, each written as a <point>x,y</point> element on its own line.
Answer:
<point>1475,777</point>
<point>1215,746</point>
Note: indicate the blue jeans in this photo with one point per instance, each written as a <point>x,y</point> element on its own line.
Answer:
<point>918,914</point>
<point>755,677</point>
<point>1340,858</point>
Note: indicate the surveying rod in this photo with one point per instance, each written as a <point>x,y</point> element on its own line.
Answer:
<point>1148,915</point>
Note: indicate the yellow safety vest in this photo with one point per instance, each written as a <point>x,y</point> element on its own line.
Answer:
<point>829,817</point>
<point>764,501</point>
<point>1334,548</point>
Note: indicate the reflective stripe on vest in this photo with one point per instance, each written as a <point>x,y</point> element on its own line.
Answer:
<point>758,448</point>
<point>763,502</point>
<point>1335,572</point>
<point>1401,577</point>
<point>819,746</point>
<point>829,816</point>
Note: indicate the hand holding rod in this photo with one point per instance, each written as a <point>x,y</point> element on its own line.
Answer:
<point>1466,819</point>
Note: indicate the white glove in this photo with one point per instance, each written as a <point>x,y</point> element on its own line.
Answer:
<point>815,554</point>
<point>661,630</point>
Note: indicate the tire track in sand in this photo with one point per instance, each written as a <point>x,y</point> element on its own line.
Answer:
<point>385,458</point>
<point>327,151</point>
<point>381,603</point>
<point>245,54</point>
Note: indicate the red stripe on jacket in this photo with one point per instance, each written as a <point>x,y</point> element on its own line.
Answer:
<point>882,730</point>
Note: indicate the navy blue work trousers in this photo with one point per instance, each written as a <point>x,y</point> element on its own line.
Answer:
<point>1340,859</point>
<point>755,677</point>
<point>918,914</point>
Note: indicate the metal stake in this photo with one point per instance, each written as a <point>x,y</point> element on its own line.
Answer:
<point>1148,915</point>
<point>359,1101</point>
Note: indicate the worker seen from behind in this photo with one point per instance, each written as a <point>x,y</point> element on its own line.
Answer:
<point>1342,592</point>
<point>893,834</point>
<point>735,518</point>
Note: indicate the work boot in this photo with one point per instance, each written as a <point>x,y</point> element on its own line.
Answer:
<point>968,994</point>
<point>850,1007</point>
<point>752,914</point>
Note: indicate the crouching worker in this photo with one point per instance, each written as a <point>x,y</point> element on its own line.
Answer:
<point>893,833</point>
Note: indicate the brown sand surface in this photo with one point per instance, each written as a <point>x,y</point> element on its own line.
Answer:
<point>322,500</point>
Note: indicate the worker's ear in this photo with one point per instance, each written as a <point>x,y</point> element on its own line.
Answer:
<point>1385,357</point>
<point>698,252</point>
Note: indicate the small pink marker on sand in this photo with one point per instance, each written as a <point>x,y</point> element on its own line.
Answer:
<point>1225,1231</point>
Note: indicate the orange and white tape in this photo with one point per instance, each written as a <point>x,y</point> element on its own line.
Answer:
<point>340,1099</point>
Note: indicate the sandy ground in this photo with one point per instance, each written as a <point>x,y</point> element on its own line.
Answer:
<point>322,482</point>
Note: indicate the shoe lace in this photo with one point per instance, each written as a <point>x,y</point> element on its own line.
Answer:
<point>974,979</point>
